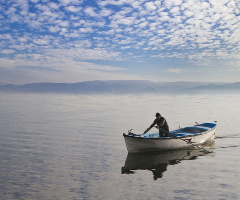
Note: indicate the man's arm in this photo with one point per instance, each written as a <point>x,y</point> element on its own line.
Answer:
<point>152,124</point>
<point>150,127</point>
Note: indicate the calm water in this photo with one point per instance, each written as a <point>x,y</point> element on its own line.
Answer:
<point>55,146</point>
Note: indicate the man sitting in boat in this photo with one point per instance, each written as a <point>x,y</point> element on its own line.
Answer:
<point>162,125</point>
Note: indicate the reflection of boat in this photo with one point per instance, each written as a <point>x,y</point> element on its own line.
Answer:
<point>157,162</point>
<point>180,138</point>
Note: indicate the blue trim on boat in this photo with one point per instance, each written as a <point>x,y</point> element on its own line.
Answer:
<point>209,125</point>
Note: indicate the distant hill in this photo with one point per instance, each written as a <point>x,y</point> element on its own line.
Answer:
<point>118,87</point>
<point>219,87</point>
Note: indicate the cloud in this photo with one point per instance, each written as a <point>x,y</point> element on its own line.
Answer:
<point>7,63</point>
<point>41,42</point>
<point>73,9</point>
<point>150,6</point>
<point>105,12</point>
<point>191,32</point>
<point>170,3</point>
<point>83,54</point>
<point>53,5</point>
<point>67,2</point>
<point>63,66</point>
<point>188,13</point>
<point>143,24</point>
<point>125,21</point>
<point>104,3</point>
<point>90,11</point>
<point>54,29</point>
<point>7,51</point>
<point>63,23</point>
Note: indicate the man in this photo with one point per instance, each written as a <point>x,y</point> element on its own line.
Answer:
<point>162,125</point>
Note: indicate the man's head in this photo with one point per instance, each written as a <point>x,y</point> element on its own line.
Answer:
<point>158,115</point>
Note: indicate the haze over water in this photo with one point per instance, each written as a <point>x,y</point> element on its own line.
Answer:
<point>62,146</point>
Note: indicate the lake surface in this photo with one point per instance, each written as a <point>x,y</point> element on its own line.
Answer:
<point>59,146</point>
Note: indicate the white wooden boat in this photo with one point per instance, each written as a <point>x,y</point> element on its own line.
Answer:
<point>181,138</point>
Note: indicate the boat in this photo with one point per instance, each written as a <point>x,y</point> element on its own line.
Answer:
<point>187,137</point>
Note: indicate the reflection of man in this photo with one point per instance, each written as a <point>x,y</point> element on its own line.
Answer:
<point>158,172</point>
<point>161,124</point>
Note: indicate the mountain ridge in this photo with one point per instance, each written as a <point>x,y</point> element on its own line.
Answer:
<point>119,86</point>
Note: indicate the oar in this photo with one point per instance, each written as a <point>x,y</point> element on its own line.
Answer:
<point>185,140</point>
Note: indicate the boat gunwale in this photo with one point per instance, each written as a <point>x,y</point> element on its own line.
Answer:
<point>169,138</point>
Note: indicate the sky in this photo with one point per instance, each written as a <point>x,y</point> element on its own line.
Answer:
<point>83,40</point>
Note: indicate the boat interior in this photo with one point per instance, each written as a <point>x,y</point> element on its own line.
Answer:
<point>191,130</point>
<point>187,131</point>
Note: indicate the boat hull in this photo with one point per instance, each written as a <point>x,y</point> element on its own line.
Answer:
<point>139,144</point>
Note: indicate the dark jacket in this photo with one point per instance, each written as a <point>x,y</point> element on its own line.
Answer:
<point>160,122</point>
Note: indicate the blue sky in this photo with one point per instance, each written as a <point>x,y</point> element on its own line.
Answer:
<point>82,40</point>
